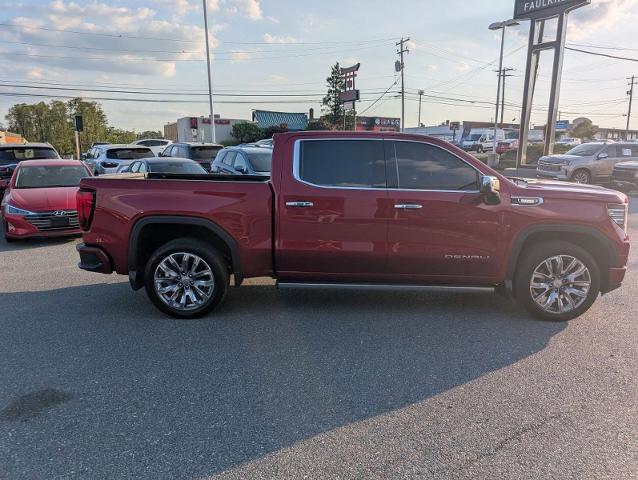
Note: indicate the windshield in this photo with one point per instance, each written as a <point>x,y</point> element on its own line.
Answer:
<point>50,176</point>
<point>129,153</point>
<point>474,137</point>
<point>15,155</point>
<point>584,150</point>
<point>205,152</point>
<point>176,167</point>
<point>260,161</point>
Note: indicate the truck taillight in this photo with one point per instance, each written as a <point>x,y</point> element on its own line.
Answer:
<point>86,205</point>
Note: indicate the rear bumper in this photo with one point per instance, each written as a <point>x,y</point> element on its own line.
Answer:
<point>624,184</point>
<point>94,259</point>
<point>615,276</point>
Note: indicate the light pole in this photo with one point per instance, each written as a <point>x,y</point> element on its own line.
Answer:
<point>500,26</point>
<point>210,84</point>
<point>421,92</point>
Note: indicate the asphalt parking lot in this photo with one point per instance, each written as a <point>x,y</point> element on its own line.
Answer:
<point>96,383</point>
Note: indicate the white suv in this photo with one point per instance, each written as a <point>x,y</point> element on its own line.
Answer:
<point>156,144</point>
<point>113,158</point>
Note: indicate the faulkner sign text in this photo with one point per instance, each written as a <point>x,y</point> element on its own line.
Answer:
<point>536,9</point>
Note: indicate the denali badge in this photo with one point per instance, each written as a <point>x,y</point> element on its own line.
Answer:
<point>466,257</point>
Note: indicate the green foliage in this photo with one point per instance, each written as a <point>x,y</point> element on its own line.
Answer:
<point>247,132</point>
<point>332,107</point>
<point>54,123</point>
<point>534,152</point>
<point>229,143</point>
<point>584,130</point>
<point>270,131</point>
<point>149,134</point>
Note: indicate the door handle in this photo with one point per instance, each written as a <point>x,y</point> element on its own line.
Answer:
<point>407,206</point>
<point>299,204</point>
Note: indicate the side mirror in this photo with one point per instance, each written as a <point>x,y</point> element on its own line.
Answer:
<point>602,156</point>
<point>83,157</point>
<point>242,170</point>
<point>491,190</point>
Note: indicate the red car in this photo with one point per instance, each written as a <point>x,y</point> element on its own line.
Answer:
<point>363,209</point>
<point>40,199</point>
<point>507,146</point>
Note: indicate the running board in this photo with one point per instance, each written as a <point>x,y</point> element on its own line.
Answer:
<point>377,286</point>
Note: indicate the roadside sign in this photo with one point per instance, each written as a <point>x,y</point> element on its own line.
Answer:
<point>455,125</point>
<point>536,9</point>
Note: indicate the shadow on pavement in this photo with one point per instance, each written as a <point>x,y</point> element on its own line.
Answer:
<point>151,397</point>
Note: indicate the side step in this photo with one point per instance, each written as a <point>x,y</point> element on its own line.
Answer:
<point>388,287</point>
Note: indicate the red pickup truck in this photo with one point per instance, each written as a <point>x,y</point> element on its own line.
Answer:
<point>369,209</point>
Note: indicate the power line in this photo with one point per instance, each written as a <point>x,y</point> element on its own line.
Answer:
<point>616,57</point>
<point>382,95</point>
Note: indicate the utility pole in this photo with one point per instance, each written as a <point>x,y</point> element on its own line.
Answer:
<point>401,51</point>
<point>504,74</point>
<point>631,97</point>
<point>210,81</point>
<point>421,92</point>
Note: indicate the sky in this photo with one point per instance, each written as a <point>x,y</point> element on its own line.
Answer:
<point>276,55</point>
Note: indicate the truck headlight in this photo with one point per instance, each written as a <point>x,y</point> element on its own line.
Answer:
<point>11,210</point>
<point>618,213</point>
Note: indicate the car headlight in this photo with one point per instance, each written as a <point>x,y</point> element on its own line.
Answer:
<point>11,210</point>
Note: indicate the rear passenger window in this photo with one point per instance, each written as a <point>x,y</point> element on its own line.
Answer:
<point>342,163</point>
<point>420,166</point>
<point>228,158</point>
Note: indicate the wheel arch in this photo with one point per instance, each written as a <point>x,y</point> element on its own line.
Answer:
<point>167,228</point>
<point>589,238</point>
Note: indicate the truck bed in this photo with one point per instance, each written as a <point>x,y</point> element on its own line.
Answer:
<point>239,205</point>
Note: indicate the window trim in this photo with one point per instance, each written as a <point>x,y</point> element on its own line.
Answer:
<point>297,156</point>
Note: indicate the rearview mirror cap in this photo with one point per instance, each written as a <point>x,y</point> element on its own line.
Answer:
<point>602,156</point>
<point>491,190</point>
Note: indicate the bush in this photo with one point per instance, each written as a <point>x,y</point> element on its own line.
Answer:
<point>534,152</point>
<point>247,132</point>
<point>229,143</point>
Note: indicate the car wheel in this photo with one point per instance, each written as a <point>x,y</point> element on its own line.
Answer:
<point>557,281</point>
<point>479,149</point>
<point>186,278</point>
<point>581,176</point>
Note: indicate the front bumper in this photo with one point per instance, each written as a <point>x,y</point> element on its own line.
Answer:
<point>94,259</point>
<point>18,227</point>
<point>624,184</point>
<point>562,175</point>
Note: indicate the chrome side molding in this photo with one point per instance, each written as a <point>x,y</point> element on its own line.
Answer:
<point>387,287</point>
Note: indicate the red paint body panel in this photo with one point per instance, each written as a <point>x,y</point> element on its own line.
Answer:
<point>357,234</point>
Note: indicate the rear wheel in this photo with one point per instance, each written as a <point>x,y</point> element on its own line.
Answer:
<point>186,278</point>
<point>581,176</point>
<point>557,281</point>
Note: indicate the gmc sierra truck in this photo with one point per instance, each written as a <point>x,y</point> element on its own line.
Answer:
<point>363,209</point>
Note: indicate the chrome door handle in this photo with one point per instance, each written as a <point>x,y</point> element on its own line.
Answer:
<point>408,206</point>
<point>299,204</point>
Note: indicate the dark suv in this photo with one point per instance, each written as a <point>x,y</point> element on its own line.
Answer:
<point>243,160</point>
<point>202,153</point>
<point>13,153</point>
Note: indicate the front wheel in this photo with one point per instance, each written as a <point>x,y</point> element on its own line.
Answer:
<point>186,278</point>
<point>581,176</point>
<point>479,149</point>
<point>557,281</point>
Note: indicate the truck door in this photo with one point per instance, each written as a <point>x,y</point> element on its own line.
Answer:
<point>440,227</point>
<point>333,211</point>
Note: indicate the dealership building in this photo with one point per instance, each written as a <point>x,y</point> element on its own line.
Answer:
<point>197,129</point>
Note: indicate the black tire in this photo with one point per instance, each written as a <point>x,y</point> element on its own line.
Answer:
<point>581,176</point>
<point>479,149</point>
<point>194,247</point>
<point>529,262</point>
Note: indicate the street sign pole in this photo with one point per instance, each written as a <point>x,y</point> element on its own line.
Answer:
<point>77,144</point>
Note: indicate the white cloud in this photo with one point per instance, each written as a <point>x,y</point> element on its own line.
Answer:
<point>249,8</point>
<point>432,67</point>
<point>462,67</point>
<point>268,38</point>
<point>240,56</point>
<point>601,14</point>
<point>278,79</point>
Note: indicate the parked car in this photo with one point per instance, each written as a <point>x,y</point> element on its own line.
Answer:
<point>164,165</point>
<point>40,199</point>
<point>569,141</point>
<point>113,157</point>
<point>243,160</point>
<point>202,153</point>
<point>625,176</point>
<point>587,163</point>
<point>366,208</point>
<point>157,145</point>
<point>12,154</point>
<point>266,142</point>
<point>507,146</point>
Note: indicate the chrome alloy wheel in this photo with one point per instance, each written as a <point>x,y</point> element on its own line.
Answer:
<point>581,177</point>
<point>184,281</point>
<point>560,284</point>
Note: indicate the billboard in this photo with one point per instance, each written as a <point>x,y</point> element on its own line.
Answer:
<point>535,9</point>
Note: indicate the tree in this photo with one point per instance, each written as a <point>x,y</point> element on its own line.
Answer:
<point>247,132</point>
<point>150,134</point>
<point>94,118</point>
<point>584,130</point>
<point>332,107</point>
